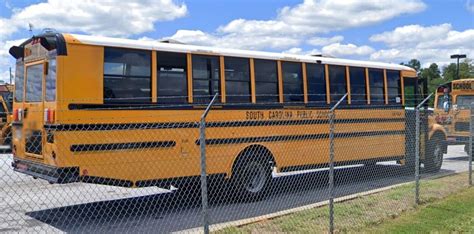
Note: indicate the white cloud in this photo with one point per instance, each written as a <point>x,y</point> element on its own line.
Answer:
<point>7,4</point>
<point>5,58</point>
<point>300,51</point>
<point>5,29</point>
<point>470,5</point>
<point>323,41</point>
<point>410,35</point>
<point>105,17</point>
<point>197,37</point>
<point>299,23</point>
<point>341,50</point>
<point>294,50</point>
<point>321,16</point>
<point>428,44</point>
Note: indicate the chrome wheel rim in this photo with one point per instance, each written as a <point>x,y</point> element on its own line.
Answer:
<point>255,178</point>
<point>437,155</point>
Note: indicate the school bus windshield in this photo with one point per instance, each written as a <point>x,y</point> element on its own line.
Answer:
<point>464,101</point>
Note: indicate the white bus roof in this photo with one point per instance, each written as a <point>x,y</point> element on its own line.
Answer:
<point>171,47</point>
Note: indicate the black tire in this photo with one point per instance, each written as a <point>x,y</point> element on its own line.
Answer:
<point>434,157</point>
<point>8,139</point>
<point>409,166</point>
<point>252,179</point>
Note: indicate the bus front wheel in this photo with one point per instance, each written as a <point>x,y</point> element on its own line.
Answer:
<point>434,157</point>
<point>252,180</point>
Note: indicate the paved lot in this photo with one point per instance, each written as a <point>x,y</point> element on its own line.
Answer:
<point>33,205</point>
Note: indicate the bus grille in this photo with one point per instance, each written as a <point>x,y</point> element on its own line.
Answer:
<point>461,127</point>
<point>34,143</point>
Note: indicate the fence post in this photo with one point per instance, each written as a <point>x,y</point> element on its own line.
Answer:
<point>332,116</point>
<point>417,156</point>
<point>417,149</point>
<point>471,133</point>
<point>202,144</point>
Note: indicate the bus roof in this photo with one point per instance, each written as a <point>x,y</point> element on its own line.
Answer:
<point>464,80</point>
<point>456,81</point>
<point>183,48</point>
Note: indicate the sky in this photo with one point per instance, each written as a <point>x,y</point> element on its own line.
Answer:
<point>391,31</point>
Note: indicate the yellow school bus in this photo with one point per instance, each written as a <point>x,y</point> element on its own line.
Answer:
<point>6,102</point>
<point>452,109</point>
<point>126,113</point>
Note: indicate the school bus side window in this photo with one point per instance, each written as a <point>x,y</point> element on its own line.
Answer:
<point>410,91</point>
<point>127,75</point>
<point>316,83</point>
<point>266,81</point>
<point>292,81</point>
<point>337,82</point>
<point>171,78</point>
<point>358,85</point>
<point>376,86</point>
<point>394,87</point>
<point>237,80</point>
<point>19,79</point>
<point>206,81</point>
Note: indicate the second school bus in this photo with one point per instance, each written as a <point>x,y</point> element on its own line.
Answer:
<point>452,110</point>
<point>125,113</point>
<point>6,102</point>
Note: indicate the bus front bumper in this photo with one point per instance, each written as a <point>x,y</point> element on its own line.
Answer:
<point>60,175</point>
<point>457,140</point>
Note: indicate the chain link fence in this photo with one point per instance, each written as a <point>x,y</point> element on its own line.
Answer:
<point>223,170</point>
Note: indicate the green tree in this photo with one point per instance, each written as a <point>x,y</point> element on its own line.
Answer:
<point>431,73</point>
<point>466,70</point>
<point>413,63</point>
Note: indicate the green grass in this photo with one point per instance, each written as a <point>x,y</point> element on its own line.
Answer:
<point>375,212</point>
<point>452,214</point>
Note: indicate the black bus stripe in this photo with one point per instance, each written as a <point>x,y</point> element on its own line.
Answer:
<point>248,123</point>
<point>122,146</point>
<point>241,140</point>
<point>227,106</point>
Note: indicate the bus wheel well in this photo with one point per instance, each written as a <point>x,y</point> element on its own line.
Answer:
<point>261,152</point>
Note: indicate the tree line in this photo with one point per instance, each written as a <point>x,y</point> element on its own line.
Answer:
<point>436,76</point>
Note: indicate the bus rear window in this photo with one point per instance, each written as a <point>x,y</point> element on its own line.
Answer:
<point>51,81</point>
<point>34,86</point>
<point>19,79</point>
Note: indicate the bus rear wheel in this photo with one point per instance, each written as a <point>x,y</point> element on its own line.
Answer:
<point>252,180</point>
<point>434,157</point>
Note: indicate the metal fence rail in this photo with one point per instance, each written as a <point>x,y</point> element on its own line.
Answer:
<point>214,169</point>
